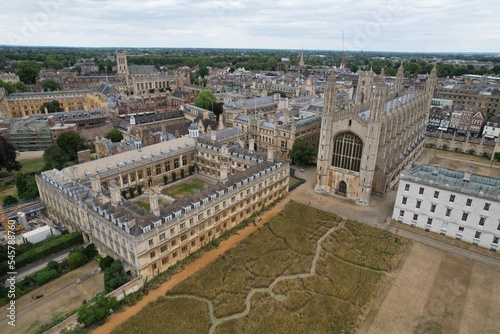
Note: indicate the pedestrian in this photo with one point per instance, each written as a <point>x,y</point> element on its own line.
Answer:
<point>260,218</point>
<point>254,223</point>
<point>319,199</point>
<point>309,202</point>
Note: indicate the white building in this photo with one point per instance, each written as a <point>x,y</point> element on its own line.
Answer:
<point>492,128</point>
<point>457,204</point>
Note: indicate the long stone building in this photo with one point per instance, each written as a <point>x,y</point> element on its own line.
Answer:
<point>88,198</point>
<point>364,144</point>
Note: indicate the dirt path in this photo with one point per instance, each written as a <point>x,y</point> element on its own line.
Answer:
<point>207,258</point>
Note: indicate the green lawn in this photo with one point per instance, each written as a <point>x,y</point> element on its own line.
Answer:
<point>32,165</point>
<point>292,181</point>
<point>351,263</point>
<point>144,203</point>
<point>186,188</point>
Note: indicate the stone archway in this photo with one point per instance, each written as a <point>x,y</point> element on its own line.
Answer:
<point>342,188</point>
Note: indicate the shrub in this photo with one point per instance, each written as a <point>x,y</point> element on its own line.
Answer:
<point>114,276</point>
<point>90,251</point>
<point>124,193</point>
<point>10,200</point>
<point>106,262</point>
<point>97,311</point>
<point>497,156</point>
<point>471,152</point>
<point>45,275</point>
<point>76,259</point>
<point>182,173</point>
<point>174,176</point>
<point>165,179</point>
<point>131,190</point>
<point>53,265</point>
<point>139,189</point>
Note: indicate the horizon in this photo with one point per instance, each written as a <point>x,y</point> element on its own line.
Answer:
<point>428,26</point>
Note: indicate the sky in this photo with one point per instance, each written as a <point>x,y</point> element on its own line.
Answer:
<point>376,25</point>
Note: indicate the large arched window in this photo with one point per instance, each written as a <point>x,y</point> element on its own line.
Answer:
<point>347,150</point>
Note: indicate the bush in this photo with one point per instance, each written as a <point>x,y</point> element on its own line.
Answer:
<point>76,259</point>
<point>97,311</point>
<point>106,262</point>
<point>45,275</point>
<point>471,152</point>
<point>131,190</point>
<point>124,193</point>
<point>10,200</point>
<point>90,251</point>
<point>174,176</point>
<point>114,276</point>
<point>165,179</point>
<point>35,252</point>
<point>182,173</point>
<point>497,156</point>
<point>53,265</point>
<point>139,189</point>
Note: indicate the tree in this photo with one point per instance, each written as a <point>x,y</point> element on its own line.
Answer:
<point>96,312</point>
<point>10,200</point>
<point>50,85</point>
<point>218,109</point>
<point>114,276</point>
<point>205,99</point>
<point>71,142</point>
<point>52,106</point>
<point>114,135</point>
<point>76,259</point>
<point>28,70</point>
<point>106,262</point>
<point>13,88</point>
<point>26,186</point>
<point>203,71</point>
<point>8,156</point>
<point>54,157</point>
<point>302,152</point>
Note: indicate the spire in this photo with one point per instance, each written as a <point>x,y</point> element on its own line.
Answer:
<point>398,84</point>
<point>301,61</point>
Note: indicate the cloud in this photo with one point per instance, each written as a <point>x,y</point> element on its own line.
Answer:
<point>392,25</point>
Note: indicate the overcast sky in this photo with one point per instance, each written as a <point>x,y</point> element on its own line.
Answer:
<point>381,25</point>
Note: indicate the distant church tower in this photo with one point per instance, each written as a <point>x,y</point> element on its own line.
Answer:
<point>121,63</point>
<point>364,145</point>
<point>302,64</point>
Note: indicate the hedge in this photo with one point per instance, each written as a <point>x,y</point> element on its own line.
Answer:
<point>45,248</point>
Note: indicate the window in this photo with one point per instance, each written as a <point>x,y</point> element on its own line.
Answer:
<point>172,231</point>
<point>402,213</point>
<point>482,220</point>
<point>405,199</point>
<point>433,207</point>
<point>174,254</point>
<point>469,202</point>
<point>154,266</point>
<point>176,163</point>
<point>407,187</point>
<point>436,194</point>
<point>415,216</point>
<point>183,237</point>
<point>444,226</point>
<point>132,177</point>
<point>486,207</point>
<point>148,171</point>
<point>158,169</point>
<point>465,215</point>
<point>477,235</point>
<point>139,175</point>
<point>125,179</point>
<point>429,221</point>
<point>419,203</point>
<point>448,212</point>
<point>461,228</point>
<point>347,151</point>
<point>164,260</point>
<point>182,226</point>
<point>173,242</point>
<point>167,166</point>
<point>495,240</point>
<point>163,248</point>
<point>150,242</point>
<point>184,249</point>
<point>162,236</point>
<point>421,191</point>
<point>152,254</point>
<point>452,198</point>
<point>184,161</point>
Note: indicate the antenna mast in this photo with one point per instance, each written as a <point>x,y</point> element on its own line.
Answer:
<point>342,64</point>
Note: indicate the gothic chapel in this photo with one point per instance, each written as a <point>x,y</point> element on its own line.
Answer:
<point>366,143</point>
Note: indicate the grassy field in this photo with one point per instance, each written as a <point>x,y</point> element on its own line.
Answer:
<point>32,165</point>
<point>186,188</point>
<point>294,283</point>
<point>144,203</point>
<point>292,181</point>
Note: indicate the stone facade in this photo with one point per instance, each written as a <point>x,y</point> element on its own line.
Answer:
<point>365,143</point>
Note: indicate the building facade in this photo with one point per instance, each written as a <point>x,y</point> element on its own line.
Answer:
<point>457,204</point>
<point>365,143</point>
<point>149,242</point>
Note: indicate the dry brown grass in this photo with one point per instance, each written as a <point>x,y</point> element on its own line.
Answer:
<point>351,264</point>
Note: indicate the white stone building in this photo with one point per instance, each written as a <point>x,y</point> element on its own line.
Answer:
<point>453,203</point>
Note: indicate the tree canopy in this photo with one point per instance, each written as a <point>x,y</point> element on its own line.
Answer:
<point>114,135</point>
<point>302,152</point>
<point>205,99</point>
<point>26,186</point>
<point>8,156</point>
<point>28,70</point>
<point>114,276</point>
<point>50,85</point>
<point>71,142</point>
<point>52,106</point>
<point>17,87</point>
<point>217,108</point>
<point>54,157</point>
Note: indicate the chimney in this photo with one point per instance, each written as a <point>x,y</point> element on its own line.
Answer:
<point>285,118</point>
<point>153,202</point>
<point>114,191</point>
<point>213,136</point>
<point>270,154</point>
<point>176,134</point>
<point>223,173</point>
<point>51,121</point>
<point>251,145</point>
<point>74,172</point>
<point>95,183</point>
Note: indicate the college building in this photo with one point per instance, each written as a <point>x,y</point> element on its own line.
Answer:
<point>457,204</point>
<point>90,198</point>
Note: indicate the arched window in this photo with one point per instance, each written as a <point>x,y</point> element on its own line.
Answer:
<point>347,150</point>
